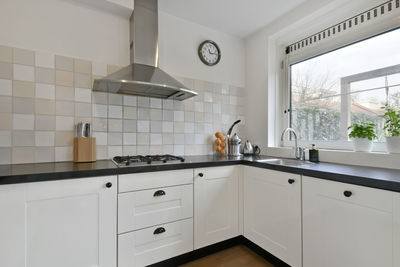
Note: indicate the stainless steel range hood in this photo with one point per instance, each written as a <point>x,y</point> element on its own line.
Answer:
<point>143,77</point>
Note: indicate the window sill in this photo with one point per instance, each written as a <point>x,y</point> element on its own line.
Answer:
<point>371,159</point>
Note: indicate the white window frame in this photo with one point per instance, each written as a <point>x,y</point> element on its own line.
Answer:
<point>371,29</point>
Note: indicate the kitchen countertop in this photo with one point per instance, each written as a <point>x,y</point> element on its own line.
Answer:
<point>387,179</point>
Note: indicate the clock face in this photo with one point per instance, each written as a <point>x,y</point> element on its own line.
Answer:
<point>209,53</point>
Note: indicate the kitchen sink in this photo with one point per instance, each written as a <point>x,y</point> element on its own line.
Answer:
<point>285,162</point>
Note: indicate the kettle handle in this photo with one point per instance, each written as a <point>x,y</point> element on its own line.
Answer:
<point>257,150</point>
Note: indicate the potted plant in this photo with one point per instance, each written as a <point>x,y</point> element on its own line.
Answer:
<point>362,135</point>
<point>392,128</point>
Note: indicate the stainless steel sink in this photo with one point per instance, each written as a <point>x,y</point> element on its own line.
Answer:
<point>287,162</point>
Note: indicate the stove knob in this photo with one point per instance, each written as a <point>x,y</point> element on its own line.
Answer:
<point>165,161</point>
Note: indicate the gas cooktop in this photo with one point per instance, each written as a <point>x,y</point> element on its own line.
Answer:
<point>124,161</point>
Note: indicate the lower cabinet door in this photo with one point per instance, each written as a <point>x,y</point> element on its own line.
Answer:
<point>59,223</point>
<point>272,212</point>
<point>151,245</point>
<point>216,205</point>
<point>347,225</point>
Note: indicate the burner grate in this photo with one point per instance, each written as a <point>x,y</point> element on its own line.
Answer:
<point>128,160</point>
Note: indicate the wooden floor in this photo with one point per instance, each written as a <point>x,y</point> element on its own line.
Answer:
<point>238,256</point>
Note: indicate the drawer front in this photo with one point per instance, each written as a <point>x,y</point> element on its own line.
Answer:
<point>142,181</point>
<point>358,195</point>
<point>216,172</point>
<point>144,247</point>
<point>141,209</point>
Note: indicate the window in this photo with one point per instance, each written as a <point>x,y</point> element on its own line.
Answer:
<point>350,84</point>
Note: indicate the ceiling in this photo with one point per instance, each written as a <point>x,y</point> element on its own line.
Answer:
<point>236,17</point>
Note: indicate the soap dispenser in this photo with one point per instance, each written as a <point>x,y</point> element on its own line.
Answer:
<point>313,154</point>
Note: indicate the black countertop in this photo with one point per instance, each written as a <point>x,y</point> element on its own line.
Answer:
<point>388,179</point>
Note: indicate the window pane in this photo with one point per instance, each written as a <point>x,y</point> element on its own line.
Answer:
<point>350,84</point>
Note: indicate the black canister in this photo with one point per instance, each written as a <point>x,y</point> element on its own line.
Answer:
<point>313,154</point>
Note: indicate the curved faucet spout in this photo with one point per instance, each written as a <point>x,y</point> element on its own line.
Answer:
<point>295,140</point>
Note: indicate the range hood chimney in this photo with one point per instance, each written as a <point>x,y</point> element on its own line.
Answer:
<point>143,77</point>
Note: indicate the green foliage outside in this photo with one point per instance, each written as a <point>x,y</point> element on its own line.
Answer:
<point>392,123</point>
<point>362,130</point>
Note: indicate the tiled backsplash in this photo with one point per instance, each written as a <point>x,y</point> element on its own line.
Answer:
<point>42,97</point>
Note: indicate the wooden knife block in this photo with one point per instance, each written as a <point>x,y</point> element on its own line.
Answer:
<point>84,149</point>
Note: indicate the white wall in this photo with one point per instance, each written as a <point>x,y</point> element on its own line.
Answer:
<point>66,28</point>
<point>179,40</point>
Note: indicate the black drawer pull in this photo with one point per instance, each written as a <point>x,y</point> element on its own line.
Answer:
<point>159,230</point>
<point>108,185</point>
<point>291,181</point>
<point>159,193</point>
<point>201,174</point>
<point>347,193</point>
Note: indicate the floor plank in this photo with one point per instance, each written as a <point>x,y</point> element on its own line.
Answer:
<point>238,256</point>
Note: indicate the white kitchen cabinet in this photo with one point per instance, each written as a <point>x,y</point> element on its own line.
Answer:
<point>349,226</point>
<point>59,223</point>
<point>216,204</point>
<point>272,212</point>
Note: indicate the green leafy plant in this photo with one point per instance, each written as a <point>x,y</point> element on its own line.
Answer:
<point>362,130</point>
<point>392,123</point>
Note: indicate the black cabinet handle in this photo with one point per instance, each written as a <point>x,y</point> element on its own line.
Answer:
<point>159,230</point>
<point>108,185</point>
<point>159,193</point>
<point>347,193</point>
<point>291,181</point>
<point>201,174</point>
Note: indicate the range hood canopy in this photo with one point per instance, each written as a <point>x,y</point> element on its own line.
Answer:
<point>143,77</point>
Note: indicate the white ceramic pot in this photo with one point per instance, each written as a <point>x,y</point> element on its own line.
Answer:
<point>393,144</point>
<point>362,144</point>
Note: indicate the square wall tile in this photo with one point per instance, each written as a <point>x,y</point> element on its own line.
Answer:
<point>65,108</point>
<point>23,89</point>
<point>24,57</point>
<point>155,103</point>
<point>143,150</point>
<point>5,155</point>
<point>155,139</point>
<point>83,80</point>
<point>44,154</point>
<point>100,124</point>
<point>6,54</point>
<point>179,116</point>
<point>44,59</point>
<point>64,78</point>
<point>6,70</point>
<point>114,99</point>
<point>156,126</point>
<point>114,125</point>
<point>23,73</point>
<point>45,75</point>
<point>82,66</point>
<point>143,102</point>
<point>44,138</point>
<point>143,113</point>
<point>114,151</point>
<point>83,95</point>
<point>130,126</point>
<point>143,126</point>
<point>143,138</point>
<point>45,122</point>
<point>130,112</point>
<point>168,115</point>
<point>167,127</point>
<point>99,111</point>
<point>45,91</point>
<point>23,121</point>
<point>129,139</point>
<point>63,138</point>
<point>45,107</point>
<point>64,63</point>
<point>6,121</point>
<point>5,138</point>
<point>23,138</point>
<point>63,154</point>
<point>99,69</point>
<point>83,109</point>
<point>129,150</point>
<point>99,98</point>
<point>168,104</point>
<point>64,123</point>
<point>23,155</point>
<point>156,114</point>
<point>130,101</point>
<point>101,138</point>
<point>101,152</point>
<point>5,87</point>
<point>23,105</point>
<point>115,112</point>
<point>65,93</point>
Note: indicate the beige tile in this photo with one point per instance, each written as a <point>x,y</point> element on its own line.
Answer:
<point>65,93</point>
<point>5,155</point>
<point>65,108</point>
<point>23,121</point>
<point>101,152</point>
<point>5,104</point>
<point>112,68</point>
<point>83,80</point>
<point>64,78</point>
<point>5,138</point>
<point>6,70</point>
<point>114,125</point>
<point>6,54</point>
<point>100,124</point>
<point>44,138</point>
<point>23,105</point>
<point>23,155</point>
<point>64,138</point>
<point>24,57</point>
<point>23,73</point>
<point>83,109</point>
<point>45,123</point>
<point>23,138</point>
<point>45,75</point>
<point>64,153</point>
<point>64,63</point>
<point>5,121</point>
<point>44,154</point>
<point>99,98</point>
<point>82,66</point>
<point>23,89</point>
<point>45,107</point>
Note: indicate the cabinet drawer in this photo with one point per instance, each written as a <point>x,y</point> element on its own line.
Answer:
<point>141,209</point>
<point>141,181</point>
<point>216,172</point>
<point>359,195</point>
<point>144,247</point>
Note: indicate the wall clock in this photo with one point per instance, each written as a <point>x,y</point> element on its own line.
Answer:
<point>209,53</point>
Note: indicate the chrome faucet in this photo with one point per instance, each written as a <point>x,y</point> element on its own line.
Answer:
<point>300,153</point>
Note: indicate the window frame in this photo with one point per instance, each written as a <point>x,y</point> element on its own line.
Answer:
<point>378,28</point>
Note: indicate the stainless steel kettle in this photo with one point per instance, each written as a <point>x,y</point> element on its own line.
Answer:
<point>248,148</point>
